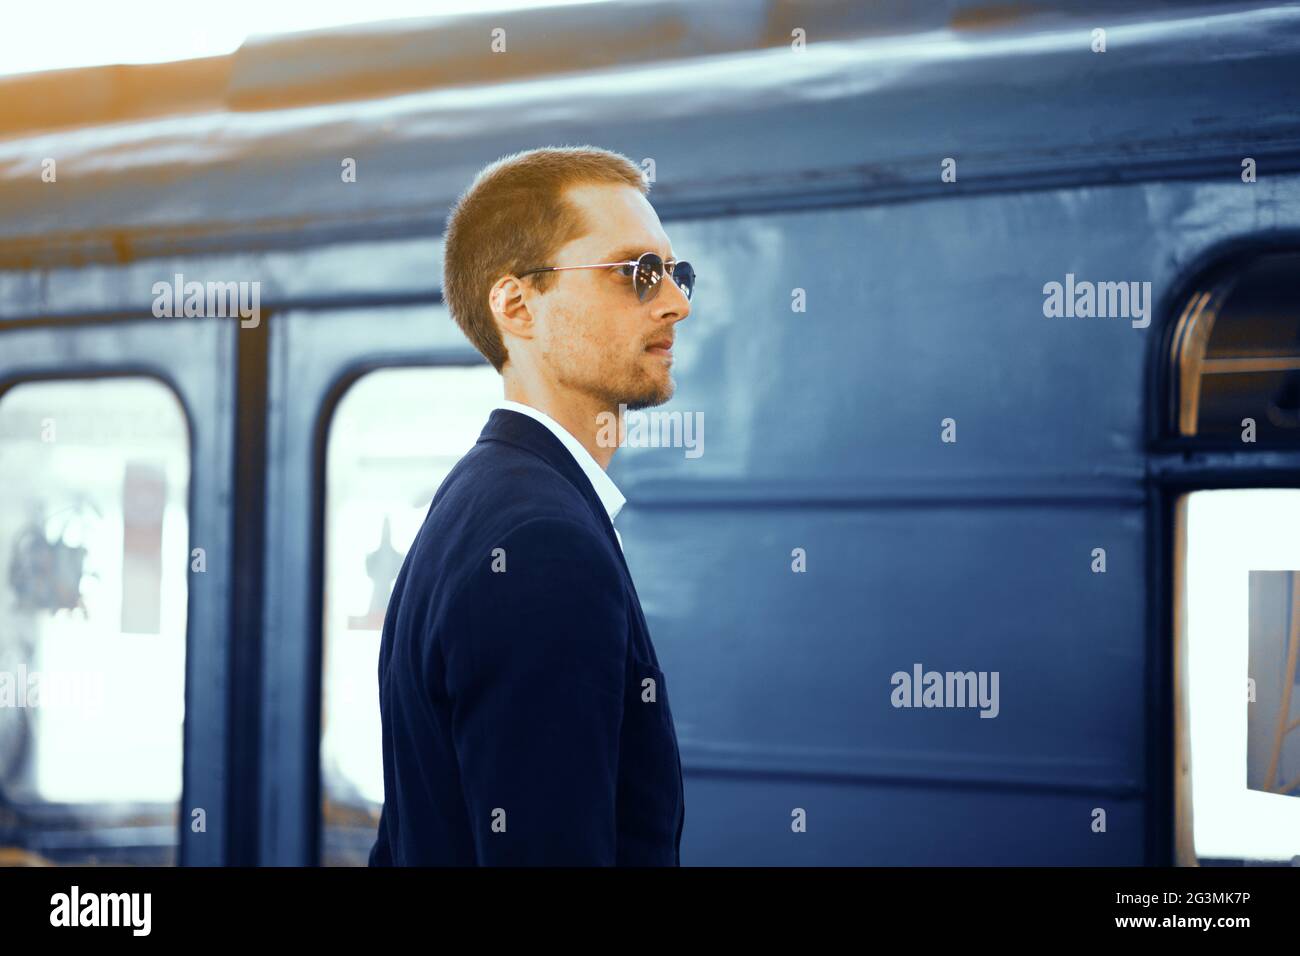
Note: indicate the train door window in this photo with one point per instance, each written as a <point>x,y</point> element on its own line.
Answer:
<point>1234,366</point>
<point>394,436</point>
<point>94,561</point>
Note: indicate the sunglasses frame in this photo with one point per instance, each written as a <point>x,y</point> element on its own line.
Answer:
<point>653,289</point>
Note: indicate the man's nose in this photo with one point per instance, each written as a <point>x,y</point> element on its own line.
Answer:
<point>673,300</point>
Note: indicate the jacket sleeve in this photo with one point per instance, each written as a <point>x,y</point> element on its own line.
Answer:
<point>535,670</point>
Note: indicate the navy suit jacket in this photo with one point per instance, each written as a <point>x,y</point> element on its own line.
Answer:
<point>525,717</point>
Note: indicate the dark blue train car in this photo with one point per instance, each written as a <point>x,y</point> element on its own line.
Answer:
<point>962,571</point>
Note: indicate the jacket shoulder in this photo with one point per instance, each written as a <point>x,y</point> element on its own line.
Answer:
<point>504,487</point>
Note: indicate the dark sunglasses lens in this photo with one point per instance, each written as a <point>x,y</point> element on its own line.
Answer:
<point>684,276</point>
<point>649,270</point>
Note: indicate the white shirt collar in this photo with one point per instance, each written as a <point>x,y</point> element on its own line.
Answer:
<point>606,490</point>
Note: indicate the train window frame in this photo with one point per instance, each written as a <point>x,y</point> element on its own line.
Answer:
<point>88,817</point>
<point>1182,462</point>
<point>1193,335</point>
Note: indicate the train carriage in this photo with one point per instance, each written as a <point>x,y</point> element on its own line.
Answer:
<point>985,298</point>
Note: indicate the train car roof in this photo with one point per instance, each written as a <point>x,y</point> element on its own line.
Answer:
<point>246,151</point>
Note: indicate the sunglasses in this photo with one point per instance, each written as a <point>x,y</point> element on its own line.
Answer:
<point>646,273</point>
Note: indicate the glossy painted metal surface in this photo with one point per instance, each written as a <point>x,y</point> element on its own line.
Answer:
<point>841,121</point>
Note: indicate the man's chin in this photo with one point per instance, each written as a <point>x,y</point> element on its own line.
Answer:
<point>650,397</point>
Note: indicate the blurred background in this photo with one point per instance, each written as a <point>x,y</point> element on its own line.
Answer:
<point>910,460</point>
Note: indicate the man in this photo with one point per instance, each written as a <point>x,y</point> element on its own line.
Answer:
<point>525,717</point>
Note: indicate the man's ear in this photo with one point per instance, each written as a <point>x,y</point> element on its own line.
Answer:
<point>509,307</point>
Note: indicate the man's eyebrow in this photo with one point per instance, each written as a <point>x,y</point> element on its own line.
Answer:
<point>629,253</point>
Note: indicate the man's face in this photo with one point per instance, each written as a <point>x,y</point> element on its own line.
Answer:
<point>592,333</point>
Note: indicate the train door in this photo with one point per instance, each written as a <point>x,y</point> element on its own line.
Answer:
<point>115,536</point>
<point>369,408</point>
